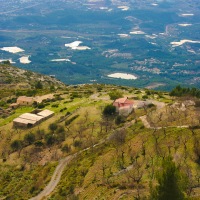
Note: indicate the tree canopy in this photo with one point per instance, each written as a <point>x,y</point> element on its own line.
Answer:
<point>170,183</point>
<point>109,110</point>
<point>179,92</point>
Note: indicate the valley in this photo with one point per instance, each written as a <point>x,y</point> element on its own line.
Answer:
<point>156,41</point>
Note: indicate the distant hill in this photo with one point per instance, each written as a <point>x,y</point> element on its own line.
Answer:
<point>13,78</point>
<point>14,75</point>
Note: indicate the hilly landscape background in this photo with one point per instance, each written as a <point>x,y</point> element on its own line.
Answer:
<point>155,41</point>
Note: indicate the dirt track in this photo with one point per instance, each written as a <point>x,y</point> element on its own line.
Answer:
<point>55,178</point>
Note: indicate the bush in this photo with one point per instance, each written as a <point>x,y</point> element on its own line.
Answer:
<point>29,138</point>
<point>115,95</point>
<point>52,127</point>
<point>66,148</point>
<point>77,143</point>
<point>38,143</point>
<point>55,105</point>
<point>69,121</point>
<point>109,110</point>
<point>40,105</point>
<point>50,139</point>
<point>119,119</point>
<point>38,85</point>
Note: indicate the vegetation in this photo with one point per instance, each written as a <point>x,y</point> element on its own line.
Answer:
<point>181,91</point>
<point>169,180</point>
<point>115,95</point>
<point>109,110</point>
<point>112,156</point>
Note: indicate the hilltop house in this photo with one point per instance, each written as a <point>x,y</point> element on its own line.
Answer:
<point>124,106</point>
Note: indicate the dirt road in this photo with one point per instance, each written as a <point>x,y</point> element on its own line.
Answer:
<point>61,166</point>
<point>55,178</point>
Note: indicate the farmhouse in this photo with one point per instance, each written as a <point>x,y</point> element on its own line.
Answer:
<point>24,101</point>
<point>124,106</point>
<point>28,120</point>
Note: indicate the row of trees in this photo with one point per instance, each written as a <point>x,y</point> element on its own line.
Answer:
<point>181,91</point>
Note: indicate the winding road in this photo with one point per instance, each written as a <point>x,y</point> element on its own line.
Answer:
<point>58,172</point>
<point>61,166</point>
<point>55,178</point>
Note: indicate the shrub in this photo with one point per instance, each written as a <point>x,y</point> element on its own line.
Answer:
<point>50,139</point>
<point>77,143</point>
<point>115,95</point>
<point>69,121</point>
<point>52,127</point>
<point>119,119</point>
<point>29,138</point>
<point>109,110</point>
<point>66,148</point>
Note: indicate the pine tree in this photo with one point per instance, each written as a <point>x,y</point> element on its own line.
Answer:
<point>170,186</point>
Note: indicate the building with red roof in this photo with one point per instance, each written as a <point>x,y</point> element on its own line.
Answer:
<point>124,106</point>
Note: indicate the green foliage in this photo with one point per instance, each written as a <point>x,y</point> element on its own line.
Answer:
<point>40,105</point>
<point>170,185</point>
<point>23,183</point>
<point>6,62</point>
<point>52,127</point>
<point>16,145</point>
<point>179,92</point>
<point>109,110</point>
<point>38,143</point>
<point>75,95</point>
<point>2,104</point>
<point>145,97</point>
<point>77,143</point>
<point>12,100</point>
<point>115,95</point>
<point>29,138</point>
<point>66,148</point>
<point>119,119</point>
<point>50,139</point>
<point>38,85</point>
<point>69,121</point>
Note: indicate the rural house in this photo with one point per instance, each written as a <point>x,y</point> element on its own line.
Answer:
<point>24,101</point>
<point>124,106</point>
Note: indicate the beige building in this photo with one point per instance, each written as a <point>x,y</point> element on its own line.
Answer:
<point>24,101</point>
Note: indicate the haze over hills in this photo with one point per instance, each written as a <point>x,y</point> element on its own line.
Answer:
<point>85,41</point>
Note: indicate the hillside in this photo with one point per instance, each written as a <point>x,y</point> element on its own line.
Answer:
<point>90,155</point>
<point>16,79</point>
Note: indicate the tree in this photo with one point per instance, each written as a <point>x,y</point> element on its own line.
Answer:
<point>109,110</point>
<point>170,186</point>
<point>38,85</point>
<point>6,62</point>
<point>115,95</point>
<point>17,145</point>
<point>119,119</point>
<point>29,138</point>
<point>50,139</point>
<point>53,127</point>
